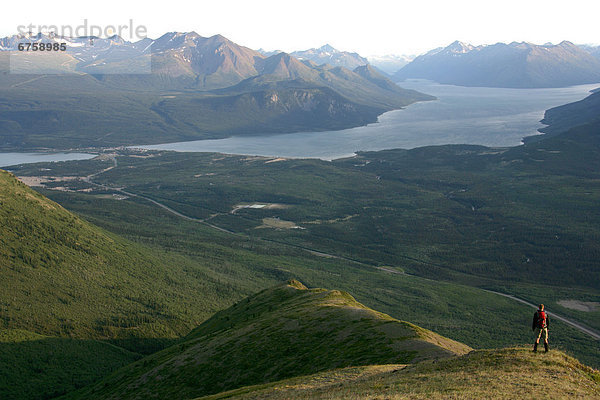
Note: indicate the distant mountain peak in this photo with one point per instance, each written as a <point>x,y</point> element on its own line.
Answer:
<point>190,34</point>
<point>269,53</point>
<point>282,56</point>
<point>329,48</point>
<point>117,39</point>
<point>219,37</point>
<point>566,43</point>
<point>459,47</point>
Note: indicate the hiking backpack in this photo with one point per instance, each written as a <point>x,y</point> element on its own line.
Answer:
<point>541,319</point>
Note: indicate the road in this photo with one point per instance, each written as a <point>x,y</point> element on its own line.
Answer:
<point>28,81</point>
<point>113,157</point>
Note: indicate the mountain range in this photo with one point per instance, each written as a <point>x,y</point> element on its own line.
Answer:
<point>514,65</point>
<point>327,54</point>
<point>181,86</point>
<point>199,62</point>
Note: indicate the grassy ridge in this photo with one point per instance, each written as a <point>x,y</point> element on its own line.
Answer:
<point>280,332</point>
<point>512,373</point>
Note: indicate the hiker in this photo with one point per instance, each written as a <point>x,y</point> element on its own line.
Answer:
<point>540,327</point>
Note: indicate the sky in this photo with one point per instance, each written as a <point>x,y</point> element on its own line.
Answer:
<point>369,27</point>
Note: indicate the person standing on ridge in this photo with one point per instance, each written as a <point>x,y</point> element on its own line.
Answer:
<point>540,327</point>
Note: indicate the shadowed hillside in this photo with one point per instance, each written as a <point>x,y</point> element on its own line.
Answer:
<point>40,367</point>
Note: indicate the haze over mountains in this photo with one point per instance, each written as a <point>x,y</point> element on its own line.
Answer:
<point>514,65</point>
<point>205,63</point>
<point>327,54</point>
<point>391,63</point>
<point>593,50</point>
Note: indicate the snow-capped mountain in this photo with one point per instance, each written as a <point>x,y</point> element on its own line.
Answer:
<point>186,60</point>
<point>327,54</point>
<point>81,54</point>
<point>517,64</point>
<point>390,63</point>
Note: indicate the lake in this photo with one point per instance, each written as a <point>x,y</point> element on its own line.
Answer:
<point>8,159</point>
<point>461,115</point>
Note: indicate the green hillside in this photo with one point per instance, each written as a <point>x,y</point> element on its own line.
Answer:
<point>64,276</point>
<point>193,271</point>
<point>512,373</point>
<point>280,332</point>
